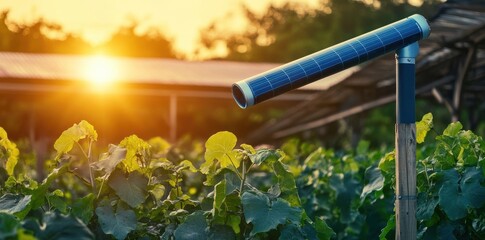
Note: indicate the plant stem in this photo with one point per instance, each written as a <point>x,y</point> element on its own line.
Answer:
<point>249,168</point>
<point>177,188</point>
<point>87,156</point>
<point>84,180</point>
<point>235,168</point>
<point>93,183</point>
<point>426,173</point>
<point>243,177</point>
<point>101,187</point>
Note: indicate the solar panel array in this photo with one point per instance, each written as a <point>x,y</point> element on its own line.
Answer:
<point>334,59</point>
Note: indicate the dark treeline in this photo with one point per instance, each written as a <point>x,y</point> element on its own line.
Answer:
<point>45,37</point>
<point>280,34</point>
<point>287,32</point>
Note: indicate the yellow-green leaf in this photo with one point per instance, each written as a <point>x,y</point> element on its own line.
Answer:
<point>159,145</point>
<point>248,148</point>
<point>3,133</point>
<point>186,165</point>
<point>8,151</point>
<point>220,146</point>
<point>138,152</point>
<point>72,135</point>
<point>423,127</point>
<point>453,129</point>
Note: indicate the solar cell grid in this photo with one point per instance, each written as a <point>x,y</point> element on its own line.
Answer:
<point>331,60</point>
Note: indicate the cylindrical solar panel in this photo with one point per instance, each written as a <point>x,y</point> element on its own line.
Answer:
<point>330,60</point>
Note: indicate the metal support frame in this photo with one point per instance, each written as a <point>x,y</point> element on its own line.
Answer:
<point>173,117</point>
<point>406,142</point>
<point>462,74</point>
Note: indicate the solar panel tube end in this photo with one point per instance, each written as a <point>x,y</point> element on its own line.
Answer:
<point>242,94</point>
<point>423,24</point>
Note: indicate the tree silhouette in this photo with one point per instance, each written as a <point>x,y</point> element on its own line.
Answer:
<point>46,37</point>
<point>290,31</point>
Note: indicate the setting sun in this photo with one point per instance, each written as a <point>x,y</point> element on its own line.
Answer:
<point>100,71</point>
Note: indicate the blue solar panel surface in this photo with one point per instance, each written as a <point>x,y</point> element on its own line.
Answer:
<point>334,59</point>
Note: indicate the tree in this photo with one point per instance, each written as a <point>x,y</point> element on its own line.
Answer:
<point>46,37</point>
<point>290,31</point>
<point>127,42</point>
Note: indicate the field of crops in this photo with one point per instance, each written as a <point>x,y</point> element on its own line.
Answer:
<point>151,189</point>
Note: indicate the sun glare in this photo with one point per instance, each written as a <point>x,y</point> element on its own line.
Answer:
<point>100,71</point>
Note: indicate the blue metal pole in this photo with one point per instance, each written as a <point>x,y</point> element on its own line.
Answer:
<point>406,81</point>
<point>406,142</point>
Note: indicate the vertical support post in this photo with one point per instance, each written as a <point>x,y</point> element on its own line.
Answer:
<point>173,117</point>
<point>406,142</point>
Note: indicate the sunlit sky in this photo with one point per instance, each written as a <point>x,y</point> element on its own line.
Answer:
<point>96,20</point>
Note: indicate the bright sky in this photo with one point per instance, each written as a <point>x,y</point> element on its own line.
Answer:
<point>96,20</point>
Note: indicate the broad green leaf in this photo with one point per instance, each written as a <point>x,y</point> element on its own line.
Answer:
<point>159,145</point>
<point>9,153</point>
<point>65,142</point>
<point>194,227</point>
<point>470,145</point>
<point>391,225</point>
<point>219,194</point>
<point>220,147</point>
<point>291,232</point>
<point>132,190</point>
<point>266,215</point>
<point>451,201</point>
<point>324,232</point>
<point>168,234</point>
<point>316,158</point>
<point>221,232</point>
<point>118,223</point>
<point>83,208</point>
<point>287,184</point>
<point>59,226</point>
<point>443,154</point>
<point>157,191</point>
<point>346,189</point>
<point>453,129</point>
<point>426,206</point>
<point>108,161</point>
<point>186,165</point>
<point>388,163</point>
<point>233,182</point>
<point>457,195</point>
<point>9,225</point>
<point>471,187</point>
<point>248,148</point>
<point>57,202</point>
<point>262,155</point>
<point>161,163</point>
<point>17,205</point>
<point>137,153</point>
<point>423,127</point>
<point>375,181</point>
<point>38,194</point>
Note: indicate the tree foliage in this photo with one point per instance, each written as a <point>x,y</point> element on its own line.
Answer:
<point>284,33</point>
<point>42,36</point>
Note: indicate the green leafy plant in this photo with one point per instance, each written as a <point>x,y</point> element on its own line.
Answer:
<point>151,189</point>
<point>138,189</point>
